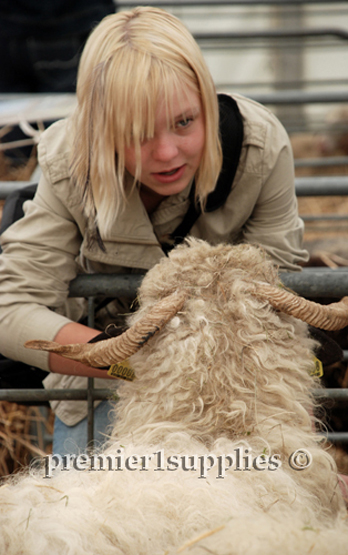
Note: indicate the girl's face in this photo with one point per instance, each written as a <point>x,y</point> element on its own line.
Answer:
<point>170,159</point>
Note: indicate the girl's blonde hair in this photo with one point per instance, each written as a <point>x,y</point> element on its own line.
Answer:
<point>131,61</point>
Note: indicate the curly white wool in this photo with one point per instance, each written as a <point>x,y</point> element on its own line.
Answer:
<point>228,372</point>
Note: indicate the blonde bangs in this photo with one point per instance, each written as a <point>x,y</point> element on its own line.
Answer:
<point>136,95</point>
<point>132,62</point>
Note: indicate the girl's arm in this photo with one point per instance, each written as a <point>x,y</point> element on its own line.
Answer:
<point>74,333</point>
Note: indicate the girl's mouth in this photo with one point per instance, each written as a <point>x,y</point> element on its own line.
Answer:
<point>171,175</point>
<point>172,172</point>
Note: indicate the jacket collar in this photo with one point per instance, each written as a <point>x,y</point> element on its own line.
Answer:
<point>135,225</point>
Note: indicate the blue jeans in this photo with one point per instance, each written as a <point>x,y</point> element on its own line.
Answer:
<point>73,439</point>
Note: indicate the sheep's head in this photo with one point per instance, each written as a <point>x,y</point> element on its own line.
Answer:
<point>210,274</point>
<point>209,347</point>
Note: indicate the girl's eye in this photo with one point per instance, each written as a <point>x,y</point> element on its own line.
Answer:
<point>184,123</point>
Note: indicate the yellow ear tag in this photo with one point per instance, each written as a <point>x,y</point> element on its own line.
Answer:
<point>122,371</point>
<point>317,368</point>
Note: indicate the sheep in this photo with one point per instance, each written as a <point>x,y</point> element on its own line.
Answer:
<point>212,448</point>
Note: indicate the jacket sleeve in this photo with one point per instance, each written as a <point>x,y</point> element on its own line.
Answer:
<point>265,188</point>
<point>36,266</point>
<point>274,222</point>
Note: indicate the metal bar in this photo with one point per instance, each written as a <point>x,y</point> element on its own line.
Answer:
<point>281,84</point>
<point>321,186</point>
<point>299,97</point>
<point>325,217</point>
<point>334,394</point>
<point>313,283</point>
<point>198,3</point>
<point>105,285</point>
<point>272,34</point>
<point>337,437</point>
<point>317,283</point>
<point>17,144</point>
<point>42,395</point>
<point>90,387</point>
<point>7,187</point>
<point>320,162</point>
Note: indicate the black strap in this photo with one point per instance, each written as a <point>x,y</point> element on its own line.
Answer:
<point>231,133</point>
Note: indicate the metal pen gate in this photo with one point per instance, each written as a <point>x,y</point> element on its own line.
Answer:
<point>311,282</point>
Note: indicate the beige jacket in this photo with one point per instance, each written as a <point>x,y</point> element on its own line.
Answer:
<point>45,250</point>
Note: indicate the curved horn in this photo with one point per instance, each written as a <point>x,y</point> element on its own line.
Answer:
<point>117,349</point>
<point>329,317</point>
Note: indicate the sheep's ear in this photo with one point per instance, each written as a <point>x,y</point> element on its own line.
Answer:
<point>329,317</point>
<point>117,349</point>
<point>329,352</point>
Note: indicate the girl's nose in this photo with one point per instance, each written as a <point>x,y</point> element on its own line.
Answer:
<point>164,147</point>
